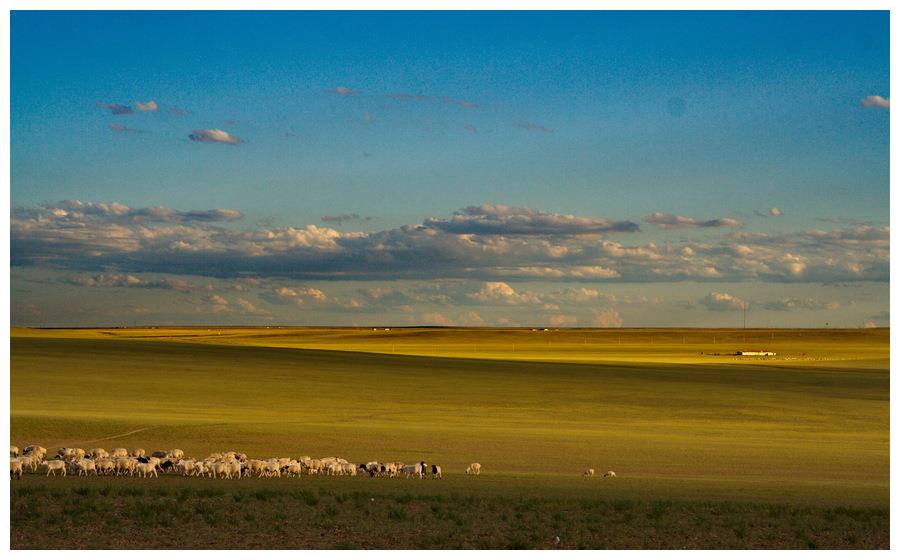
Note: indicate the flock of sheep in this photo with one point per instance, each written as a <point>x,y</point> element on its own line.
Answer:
<point>137,462</point>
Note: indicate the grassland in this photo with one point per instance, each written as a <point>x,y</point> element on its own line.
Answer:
<point>687,428</point>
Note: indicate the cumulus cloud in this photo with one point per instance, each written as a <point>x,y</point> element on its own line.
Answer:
<point>116,109</point>
<point>149,106</point>
<point>484,243</point>
<point>343,218</point>
<point>284,295</point>
<point>875,101</point>
<point>720,301</point>
<point>503,293</point>
<point>216,303</point>
<point>775,211</point>
<point>498,219</point>
<point>606,319</point>
<point>562,319</point>
<point>247,306</point>
<point>532,127</point>
<point>670,221</point>
<point>436,319</point>
<point>792,304</point>
<point>115,280</point>
<point>214,135</point>
<point>76,213</point>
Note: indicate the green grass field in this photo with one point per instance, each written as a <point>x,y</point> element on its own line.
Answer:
<point>676,418</point>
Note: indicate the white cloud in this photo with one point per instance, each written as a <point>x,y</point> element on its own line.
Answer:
<point>247,306</point>
<point>214,135</point>
<point>562,319</point>
<point>148,106</point>
<point>501,292</point>
<point>282,295</point>
<point>774,211</point>
<point>670,221</point>
<point>606,318</point>
<point>82,236</point>
<point>791,304</point>
<point>720,301</point>
<point>875,101</point>
<point>498,219</point>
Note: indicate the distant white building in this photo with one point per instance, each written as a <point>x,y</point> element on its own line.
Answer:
<point>755,353</point>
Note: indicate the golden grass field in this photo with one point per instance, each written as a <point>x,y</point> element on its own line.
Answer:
<point>668,410</point>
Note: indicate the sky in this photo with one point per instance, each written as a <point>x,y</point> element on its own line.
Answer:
<point>567,169</point>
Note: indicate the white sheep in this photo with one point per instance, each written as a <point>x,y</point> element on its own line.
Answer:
<point>589,472</point>
<point>271,468</point>
<point>106,466</point>
<point>436,472</point>
<point>474,468</point>
<point>417,469</point>
<point>295,468</point>
<point>126,465</point>
<point>85,467</point>
<point>138,452</point>
<point>36,451</point>
<point>609,474</point>
<point>29,460</point>
<point>146,469</point>
<point>13,451</point>
<point>232,468</point>
<point>15,469</point>
<point>55,466</point>
<point>119,452</point>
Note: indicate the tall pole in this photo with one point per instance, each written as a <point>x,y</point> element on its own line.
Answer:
<point>744,309</point>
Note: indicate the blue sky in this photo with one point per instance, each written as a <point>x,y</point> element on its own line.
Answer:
<point>563,122</point>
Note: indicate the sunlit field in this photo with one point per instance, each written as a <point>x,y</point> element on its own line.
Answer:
<point>681,421</point>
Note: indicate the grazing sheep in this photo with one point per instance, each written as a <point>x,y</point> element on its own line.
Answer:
<point>609,474</point>
<point>474,468</point>
<point>138,452</point>
<point>106,466</point>
<point>589,472</point>
<point>417,469</point>
<point>160,454</point>
<point>255,466</point>
<point>436,472</point>
<point>13,451</point>
<point>36,451</point>
<point>15,469</point>
<point>270,468</point>
<point>231,469</point>
<point>186,467</point>
<point>98,453</point>
<point>119,452</point>
<point>86,467</point>
<point>55,466</point>
<point>146,469</point>
<point>127,465</point>
<point>175,454</point>
<point>295,468</point>
<point>29,460</point>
